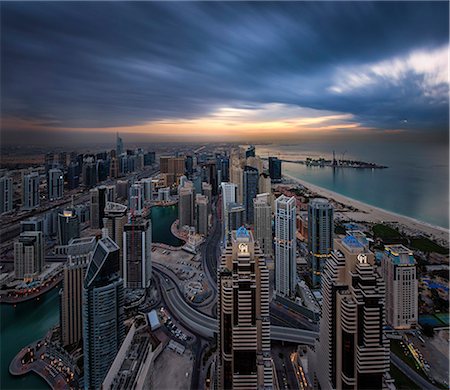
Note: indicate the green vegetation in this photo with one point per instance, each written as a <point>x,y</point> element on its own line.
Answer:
<point>426,245</point>
<point>339,229</point>
<point>402,382</point>
<point>385,232</point>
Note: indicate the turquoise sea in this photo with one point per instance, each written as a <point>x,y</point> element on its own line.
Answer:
<point>415,184</point>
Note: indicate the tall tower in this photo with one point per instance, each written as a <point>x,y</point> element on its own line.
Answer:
<point>399,273</point>
<point>137,249</point>
<point>68,226</point>
<point>79,254</point>
<point>285,245</point>
<point>263,223</point>
<point>103,312</point>
<point>6,194</point>
<point>251,185</point>
<point>28,255</point>
<point>30,191</point>
<point>201,214</point>
<point>55,184</point>
<point>136,198</point>
<point>186,206</point>
<point>353,351</point>
<point>244,360</point>
<point>114,221</point>
<point>229,194</point>
<point>320,236</point>
<point>119,145</point>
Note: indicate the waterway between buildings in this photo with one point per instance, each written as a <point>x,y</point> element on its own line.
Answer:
<point>29,321</point>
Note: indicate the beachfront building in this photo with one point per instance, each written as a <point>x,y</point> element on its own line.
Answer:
<point>320,236</point>
<point>285,245</point>
<point>399,273</point>
<point>352,351</point>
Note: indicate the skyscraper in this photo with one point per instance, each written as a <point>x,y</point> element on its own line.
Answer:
<point>353,351</point>
<point>186,206</point>
<point>30,191</point>
<point>137,248</point>
<point>28,255</point>
<point>320,236</point>
<point>275,169</point>
<point>250,152</point>
<point>235,218</point>
<point>99,196</point>
<point>244,360</point>
<point>263,223</point>
<point>201,214</point>
<point>119,145</point>
<point>251,188</point>
<point>136,198</point>
<point>6,194</point>
<point>399,273</point>
<point>114,221</point>
<point>237,177</point>
<point>103,312</point>
<point>68,226</point>
<point>229,192</point>
<point>285,245</point>
<point>79,254</point>
<point>73,179</point>
<point>89,172</point>
<point>55,185</point>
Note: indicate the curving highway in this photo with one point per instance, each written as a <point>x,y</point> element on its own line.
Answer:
<point>206,326</point>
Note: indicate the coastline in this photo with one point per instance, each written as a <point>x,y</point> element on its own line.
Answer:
<point>369,213</point>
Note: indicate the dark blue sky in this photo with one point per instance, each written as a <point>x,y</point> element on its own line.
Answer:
<point>95,65</point>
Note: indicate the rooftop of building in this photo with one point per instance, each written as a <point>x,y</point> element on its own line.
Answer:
<point>399,254</point>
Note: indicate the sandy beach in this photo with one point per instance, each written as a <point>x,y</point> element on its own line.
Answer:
<point>368,213</point>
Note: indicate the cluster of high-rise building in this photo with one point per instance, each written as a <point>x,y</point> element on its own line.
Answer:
<point>259,236</point>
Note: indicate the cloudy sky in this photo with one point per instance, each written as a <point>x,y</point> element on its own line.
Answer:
<point>224,70</point>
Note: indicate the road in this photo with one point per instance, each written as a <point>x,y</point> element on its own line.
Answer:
<point>206,326</point>
<point>410,373</point>
<point>211,247</point>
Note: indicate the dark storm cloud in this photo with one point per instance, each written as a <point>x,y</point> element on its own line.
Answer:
<point>117,64</point>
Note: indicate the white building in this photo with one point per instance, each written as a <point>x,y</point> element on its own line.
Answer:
<point>285,245</point>
<point>229,195</point>
<point>399,273</point>
<point>136,198</point>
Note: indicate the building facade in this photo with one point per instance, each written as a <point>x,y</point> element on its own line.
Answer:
<point>30,191</point>
<point>103,312</point>
<point>263,223</point>
<point>399,273</point>
<point>6,194</point>
<point>79,254</point>
<point>55,184</point>
<point>244,360</point>
<point>285,246</point>
<point>28,255</point>
<point>320,236</point>
<point>352,351</point>
<point>68,226</point>
<point>137,249</point>
<point>251,189</point>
